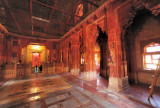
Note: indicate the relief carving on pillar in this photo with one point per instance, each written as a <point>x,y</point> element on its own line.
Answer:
<point>75,42</point>
<point>92,33</point>
<point>153,6</point>
<point>75,39</point>
<point>101,24</point>
<point>111,54</point>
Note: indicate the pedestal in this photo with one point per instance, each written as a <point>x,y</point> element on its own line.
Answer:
<point>118,84</point>
<point>88,76</point>
<point>66,69</point>
<point>75,71</point>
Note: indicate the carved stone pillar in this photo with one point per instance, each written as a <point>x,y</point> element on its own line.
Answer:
<point>3,33</point>
<point>117,80</point>
<point>89,65</point>
<point>89,38</point>
<point>75,69</point>
<point>61,56</point>
<point>66,65</point>
<point>1,49</point>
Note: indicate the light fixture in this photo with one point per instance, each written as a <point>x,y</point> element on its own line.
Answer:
<point>36,46</point>
<point>41,19</point>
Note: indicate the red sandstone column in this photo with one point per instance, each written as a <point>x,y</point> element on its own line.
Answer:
<point>89,65</point>
<point>9,51</point>
<point>3,33</point>
<point>117,81</point>
<point>66,67</point>
<point>75,69</point>
<point>1,49</point>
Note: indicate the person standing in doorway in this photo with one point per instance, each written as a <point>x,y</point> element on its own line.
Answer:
<point>36,69</point>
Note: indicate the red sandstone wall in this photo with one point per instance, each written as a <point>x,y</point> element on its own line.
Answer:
<point>23,42</point>
<point>149,33</point>
<point>114,20</point>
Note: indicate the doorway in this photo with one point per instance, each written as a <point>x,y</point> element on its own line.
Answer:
<point>101,53</point>
<point>36,62</point>
<point>36,59</point>
<point>97,57</point>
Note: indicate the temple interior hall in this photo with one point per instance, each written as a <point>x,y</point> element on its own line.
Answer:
<point>79,53</point>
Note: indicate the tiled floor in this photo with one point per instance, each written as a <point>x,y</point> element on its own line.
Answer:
<point>62,91</point>
<point>137,92</point>
<point>140,92</point>
<point>2,81</point>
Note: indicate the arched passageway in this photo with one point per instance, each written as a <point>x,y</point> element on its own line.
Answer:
<point>142,32</point>
<point>101,54</point>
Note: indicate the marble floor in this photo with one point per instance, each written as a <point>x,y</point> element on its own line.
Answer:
<point>63,91</point>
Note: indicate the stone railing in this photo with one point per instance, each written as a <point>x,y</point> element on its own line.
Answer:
<point>26,70</point>
<point>59,67</point>
<point>9,67</point>
<point>8,71</point>
<point>23,70</point>
<point>52,68</point>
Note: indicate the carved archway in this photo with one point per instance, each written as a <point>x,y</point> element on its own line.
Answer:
<point>154,7</point>
<point>125,29</point>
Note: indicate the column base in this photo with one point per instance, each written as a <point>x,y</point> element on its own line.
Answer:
<point>104,73</point>
<point>118,84</point>
<point>66,69</point>
<point>75,72</point>
<point>88,76</point>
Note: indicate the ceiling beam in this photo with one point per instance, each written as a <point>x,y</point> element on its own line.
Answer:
<point>55,8</point>
<point>67,12</point>
<point>60,30</point>
<point>22,28</point>
<point>56,33</point>
<point>50,16</point>
<point>29,29</point>
<point>31,15</point>
<point>32,37</point>
<point>57,22</point>
<point>12,15</point>
<point>91,3</point>
<point>28,35</point>
<point>17,9</point>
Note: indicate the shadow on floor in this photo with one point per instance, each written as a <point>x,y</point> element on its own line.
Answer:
<point>140,92</point>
